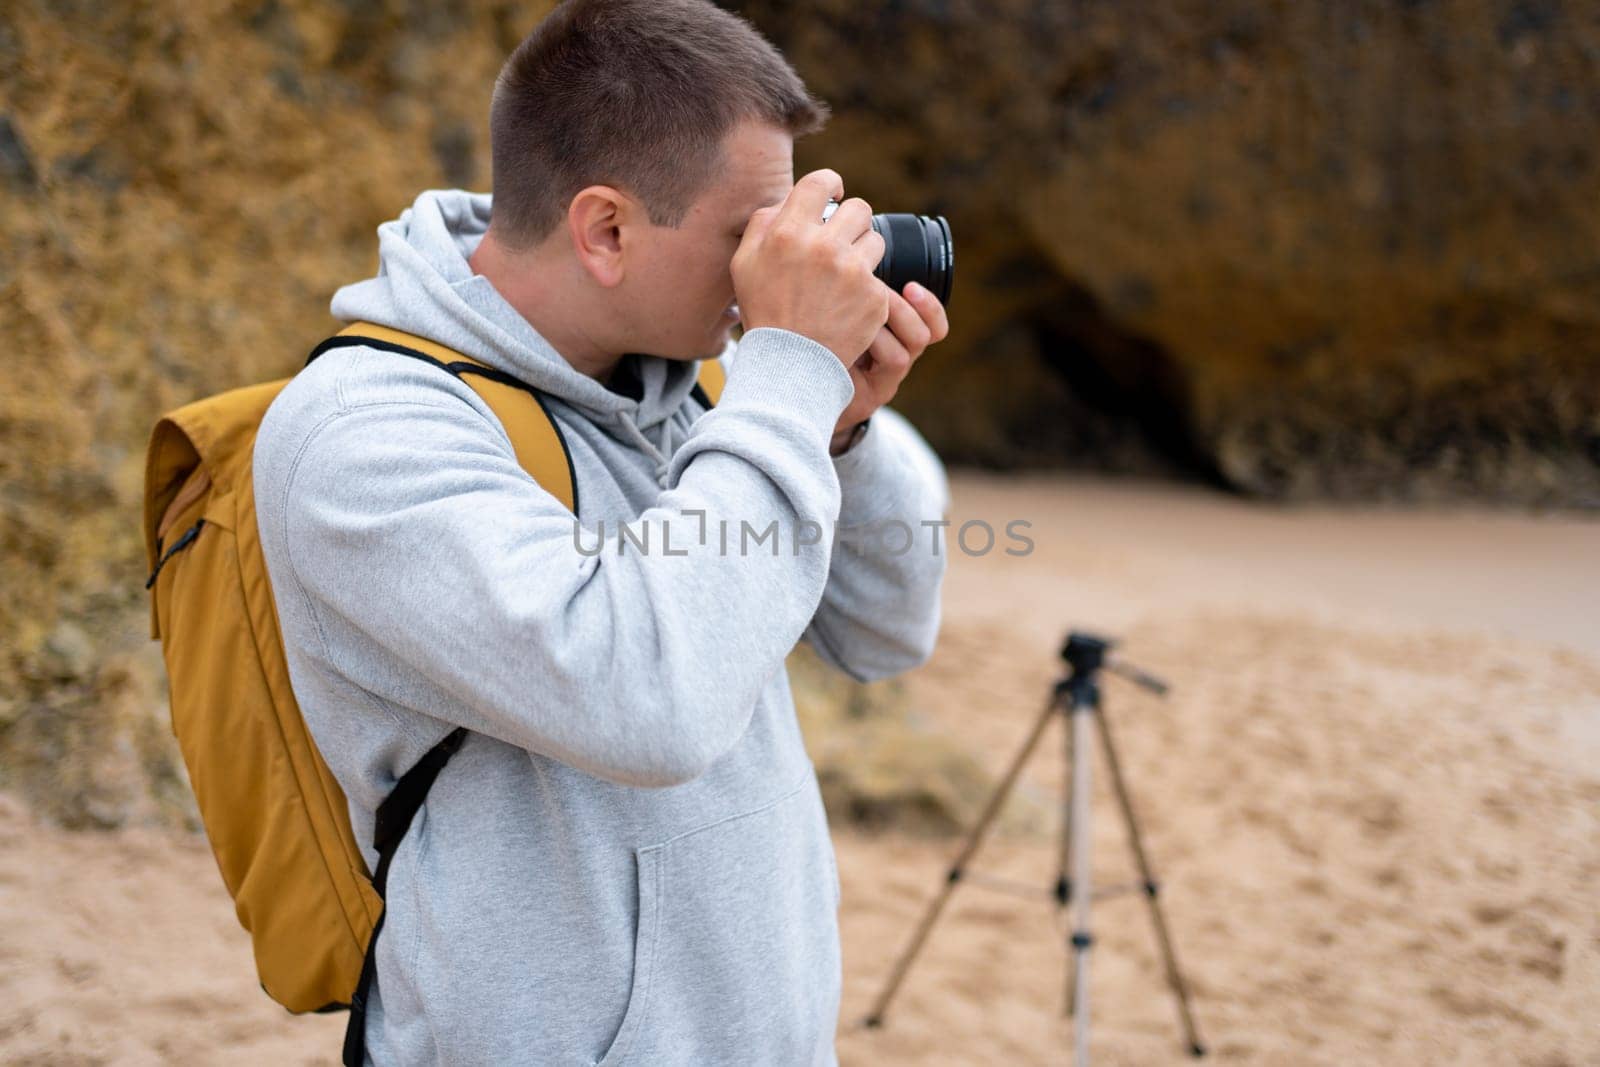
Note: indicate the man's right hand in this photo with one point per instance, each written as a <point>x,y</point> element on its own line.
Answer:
<point>795,272</point>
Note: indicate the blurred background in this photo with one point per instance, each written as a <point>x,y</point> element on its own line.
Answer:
<point>1280,322</point>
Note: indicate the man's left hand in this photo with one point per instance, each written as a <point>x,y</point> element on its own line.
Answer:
<point>916,321</point>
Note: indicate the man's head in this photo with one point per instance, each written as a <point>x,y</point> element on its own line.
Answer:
<point>631,139</point>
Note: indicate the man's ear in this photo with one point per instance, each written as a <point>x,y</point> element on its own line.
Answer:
<point>597,220</point>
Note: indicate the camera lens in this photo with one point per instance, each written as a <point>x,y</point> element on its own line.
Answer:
<point>916,248</point>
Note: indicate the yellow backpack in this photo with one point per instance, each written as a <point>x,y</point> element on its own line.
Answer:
<point>276,818</point>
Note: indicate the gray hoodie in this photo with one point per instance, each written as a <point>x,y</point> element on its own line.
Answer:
<point>628,860</point>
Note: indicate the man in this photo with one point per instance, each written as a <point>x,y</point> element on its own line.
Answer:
<point>627,860</point>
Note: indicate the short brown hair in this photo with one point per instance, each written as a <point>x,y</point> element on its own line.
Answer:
<point>638,94</point>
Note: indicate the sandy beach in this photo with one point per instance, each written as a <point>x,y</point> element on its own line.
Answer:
<point>1372,798</point>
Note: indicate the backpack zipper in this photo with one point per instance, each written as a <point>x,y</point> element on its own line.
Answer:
<point>181,543</point>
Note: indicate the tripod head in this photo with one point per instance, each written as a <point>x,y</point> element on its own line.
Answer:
<point>1087,653</point>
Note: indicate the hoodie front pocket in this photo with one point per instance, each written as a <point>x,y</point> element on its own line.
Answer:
<point>644,955</point>
<point>738,942</point>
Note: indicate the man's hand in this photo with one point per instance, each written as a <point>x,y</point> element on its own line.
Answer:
<point>794,271</point>
<point>915,322</point>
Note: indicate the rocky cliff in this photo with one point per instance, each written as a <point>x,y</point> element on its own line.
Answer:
<point>182,186</point>
<point>1347,250</point>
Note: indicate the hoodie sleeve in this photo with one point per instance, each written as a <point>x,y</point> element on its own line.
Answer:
<point>411,526</point>
<point>879,614</point>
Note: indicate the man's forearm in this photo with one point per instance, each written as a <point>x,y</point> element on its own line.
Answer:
<point>880,609</point>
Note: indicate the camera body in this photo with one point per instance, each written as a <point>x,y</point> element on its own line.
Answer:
<point>916,248</point>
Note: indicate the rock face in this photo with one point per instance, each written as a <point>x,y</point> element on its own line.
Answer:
<point>182,187</point>
<point>1343,250</point>
<point>1346,250</point>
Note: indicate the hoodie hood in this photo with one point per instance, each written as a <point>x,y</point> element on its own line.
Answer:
<point>426,286</point>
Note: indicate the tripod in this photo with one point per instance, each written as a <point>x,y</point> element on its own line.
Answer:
<point>1076,695</point>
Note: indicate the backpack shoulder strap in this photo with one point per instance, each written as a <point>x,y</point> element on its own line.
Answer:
<point>543,453</point>
<point>395,816</point>
<point>535,438</point>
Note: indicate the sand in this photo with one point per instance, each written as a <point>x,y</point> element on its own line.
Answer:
<point>1372,798</point>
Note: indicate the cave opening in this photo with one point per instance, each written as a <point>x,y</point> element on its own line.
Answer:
<point>1058,384</point>
<point>1131,397</point>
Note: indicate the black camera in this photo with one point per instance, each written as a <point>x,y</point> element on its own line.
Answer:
<point>916,248</point>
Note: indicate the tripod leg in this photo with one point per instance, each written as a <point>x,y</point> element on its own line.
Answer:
<point>1152,890</point>
<point>974,840</point>
<point>1083,704</point>
<point>1064,878</point>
